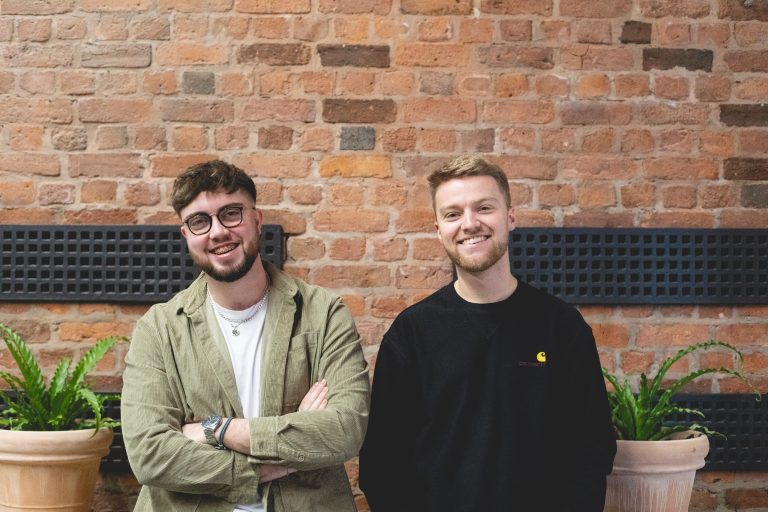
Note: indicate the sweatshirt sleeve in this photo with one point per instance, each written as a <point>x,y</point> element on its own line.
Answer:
<point>594,447</point>
<point>386,471</point>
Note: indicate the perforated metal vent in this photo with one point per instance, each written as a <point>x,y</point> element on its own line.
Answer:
<point>744,423</point>
<point>644,266</point>
<point>102,263</point>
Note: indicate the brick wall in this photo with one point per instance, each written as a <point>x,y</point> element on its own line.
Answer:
<point>604,114</point>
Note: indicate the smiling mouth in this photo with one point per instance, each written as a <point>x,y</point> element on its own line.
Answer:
<point>224,249</point>
<point>474,240</point>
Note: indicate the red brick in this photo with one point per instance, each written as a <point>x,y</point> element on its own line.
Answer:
<point>388,307</point>
<point>346,195</point>
<point>114,5</point>
<point>637,141</point>
<point>713,34</point>
<point>351,29</point>
<point>718,196</point>
<point>378,166</point>
<point>521,167</point>
<point>316,139</point>
<point>632,85</point>
<point>596,195</point>
<point>153,29</point>
<point>509,85</point>
<point>595,8</point>
<point>677,219</point>
<point>640,195</point>
<point>660,335</point>
<point>673,34</point>
<point>77,82</point>
<point>163,82</point>
<point>275,137</point>
<point>440,7</point>
<point>6,82</point>
<point>754,141</point>
<point>515,30</point>
<point>561,140</point>
<point>680,168</point>
<point>590,57</point>
<point>540,7</point>
<point>37,56</point>
<point>189,138</point>
<point>185,54</point>
<point>475,30</point>
<point>357,83</point>
<point>273,6</point>
<point>106,165</point>
<point>36,110</point>
<point>438,110</point>
<point>744,218</point>
<point>266,165</point>
<point>437,140</point>
<point>350,276</point>
<point>422,277</point>
<point>594,112</point>
<point>515,56</point>
<point>750,34</point>
<point>112,27</point>
<point>713,88</point>
<point>35,30</point>
<point>551,194</point>
<point>435,29</point>
<point>390,249</point>
<point>397,83</point>
<point>231,137</point>
<point>26,216</point>
<point>428,249</point>
<point>24,138</point>
<point>170,166</point>
<point>534,218</point>
<point>738,10</point>
<point>203,111</point>
<point>350,249</point>
<point>108,55</point>
<point>671,88</point>
<point>106,217</point>
<point>305,248</point>
<point>36,7</point>
<point>117,83</point>
<point>195,5</point>
<point>751,88</point>
<point>743,334</point>
<point>554,31</point>
<point>596,32</point>
<point>189,27</point>
<point>111,137</point>
<point>114,110</point>
<point>305,194</point>
<point>399,140</point>
<point>142,194</point>
<point>517,139</point>
<point>680,113</point>
<point>592,86</point>
<point>599,141</point>
<point>676,140</point>
<point>30,163</point>
<point>269,193</point>
<point>293,223</point>
<point>150,137</point>
<point>551,85</point>
<point>717,143</point>
<point>636,362</point>
<point>17,193</point>
<point>320,82</point>
<point>409,221</point>
<point>432,55</point>
<point>751,61</point>
<point>37,82</point>
<point>598,168</point>
<point>678,196</point>
<point>676,9</point>
<point>524,112</point>
<point>279,110</point>
<point>351,220</point>
<point>309,29</point>
<point>98,191</point>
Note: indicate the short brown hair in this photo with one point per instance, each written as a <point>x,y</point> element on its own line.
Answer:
<point>206,177</point>
<point>464,166</point>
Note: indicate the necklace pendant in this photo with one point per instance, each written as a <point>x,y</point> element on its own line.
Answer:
<point>235,331</point>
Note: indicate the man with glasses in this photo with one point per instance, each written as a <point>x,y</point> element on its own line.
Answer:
<point>248,390</point>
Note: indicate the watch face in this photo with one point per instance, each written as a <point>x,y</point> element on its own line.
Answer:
<point>211,422</point>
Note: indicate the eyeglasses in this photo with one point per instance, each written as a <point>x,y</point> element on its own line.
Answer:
<point>229,217</point>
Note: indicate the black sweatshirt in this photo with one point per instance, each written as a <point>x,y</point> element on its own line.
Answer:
<point>486,407</point>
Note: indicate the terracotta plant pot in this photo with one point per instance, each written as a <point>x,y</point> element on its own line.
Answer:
<point>655,476</point>
<point>50,471</point>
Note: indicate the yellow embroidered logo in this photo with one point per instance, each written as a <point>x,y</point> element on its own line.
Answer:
<point>541,357</point>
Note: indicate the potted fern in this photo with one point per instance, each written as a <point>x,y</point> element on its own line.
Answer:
<point>656,461</point>
<point>52,436</point>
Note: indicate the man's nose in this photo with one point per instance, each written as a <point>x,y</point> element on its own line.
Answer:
<point>217,228</point>
<point>469,221</point>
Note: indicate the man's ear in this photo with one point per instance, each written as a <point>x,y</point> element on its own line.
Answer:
<point>511,218</point>
<point>184,231</point>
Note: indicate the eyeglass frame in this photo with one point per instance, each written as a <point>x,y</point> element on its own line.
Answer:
<point>210,216</point>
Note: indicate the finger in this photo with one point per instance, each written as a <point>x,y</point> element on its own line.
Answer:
<point>311,395</point>
<point>321,397</point>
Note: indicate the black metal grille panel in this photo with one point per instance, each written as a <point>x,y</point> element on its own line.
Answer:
<point>103,263</point>
<point>644,266</point>
<point>742,420</point>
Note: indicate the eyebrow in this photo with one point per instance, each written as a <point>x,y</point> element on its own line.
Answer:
<point>201,212</point>
<point>489,199</point>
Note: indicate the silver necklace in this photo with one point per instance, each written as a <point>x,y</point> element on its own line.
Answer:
<point>237,323</point>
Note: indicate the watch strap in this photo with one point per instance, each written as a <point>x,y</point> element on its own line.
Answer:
<point>220,442</point>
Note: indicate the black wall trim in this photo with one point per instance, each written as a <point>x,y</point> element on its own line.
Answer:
<point>643,265</point>
<point>103,263</point>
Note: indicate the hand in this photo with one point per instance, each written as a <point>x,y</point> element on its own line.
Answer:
<point>269,472</point>
<point>316,398</point>
<point>194,431</point>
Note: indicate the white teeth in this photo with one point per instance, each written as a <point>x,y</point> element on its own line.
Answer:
<point>224,250</point>
<point>473,240</point>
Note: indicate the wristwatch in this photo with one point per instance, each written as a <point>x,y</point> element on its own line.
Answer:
<point>210,424</point>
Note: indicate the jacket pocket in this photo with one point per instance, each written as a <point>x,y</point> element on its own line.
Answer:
<point>299,370</point>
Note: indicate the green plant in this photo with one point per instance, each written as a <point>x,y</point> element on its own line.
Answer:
<point>67,403</point>
<point>642,416</point>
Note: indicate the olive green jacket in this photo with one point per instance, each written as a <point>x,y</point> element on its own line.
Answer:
<point>178,371</point>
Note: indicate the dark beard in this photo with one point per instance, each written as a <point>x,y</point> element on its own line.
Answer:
<point>233,274</point>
